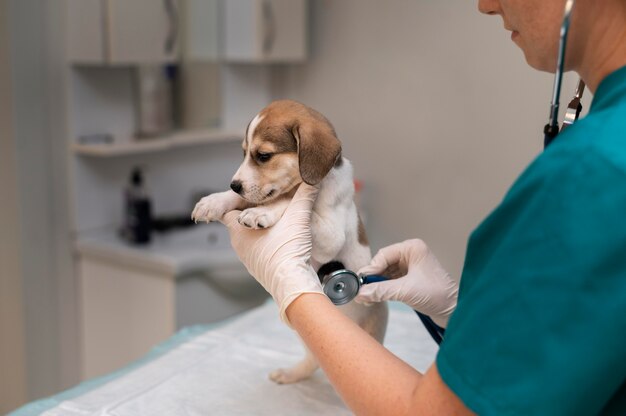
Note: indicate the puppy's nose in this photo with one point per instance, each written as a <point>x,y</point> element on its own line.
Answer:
<point>236,186</point>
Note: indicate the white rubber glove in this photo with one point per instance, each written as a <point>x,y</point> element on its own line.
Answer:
<point>417,279</point>
<point>279,257</point>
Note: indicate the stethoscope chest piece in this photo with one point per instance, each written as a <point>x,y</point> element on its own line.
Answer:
<point>341,286</point>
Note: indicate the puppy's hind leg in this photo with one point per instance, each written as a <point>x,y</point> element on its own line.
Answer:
<point>303,370</point>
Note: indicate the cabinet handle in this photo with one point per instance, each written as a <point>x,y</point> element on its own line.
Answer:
<point>172,35</point>
<point>269,27</point>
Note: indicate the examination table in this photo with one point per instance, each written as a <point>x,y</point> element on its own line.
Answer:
<point>223,370</point>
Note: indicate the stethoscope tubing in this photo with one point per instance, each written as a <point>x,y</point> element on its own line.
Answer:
<point>551,130</point>
<point>560,65</point>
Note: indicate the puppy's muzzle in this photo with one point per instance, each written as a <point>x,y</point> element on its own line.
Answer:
<point>236,186</point>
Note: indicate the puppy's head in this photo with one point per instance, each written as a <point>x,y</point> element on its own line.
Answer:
<point>285,144</point>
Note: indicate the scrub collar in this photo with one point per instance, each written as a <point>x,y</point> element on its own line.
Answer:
<point>611,90</point>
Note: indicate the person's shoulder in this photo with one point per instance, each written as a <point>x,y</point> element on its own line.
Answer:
<point>596,143</point>
<point>583,160</point>
<point>599,137</point>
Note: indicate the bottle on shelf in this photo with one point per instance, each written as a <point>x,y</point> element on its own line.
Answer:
<point>154,100</point>
<point>138,210</point>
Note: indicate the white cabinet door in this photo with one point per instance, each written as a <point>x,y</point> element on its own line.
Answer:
<point>285,28</point>
<point>123,32</point>
<point>125,311</point>
<point>143,31</point>
<point>202,19</point>
<point>265,30</point>
<point>85,31</point>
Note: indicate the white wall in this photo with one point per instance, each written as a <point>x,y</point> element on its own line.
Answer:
<point>12,361</point>
<point>434,105</point>
<point>38,82</point>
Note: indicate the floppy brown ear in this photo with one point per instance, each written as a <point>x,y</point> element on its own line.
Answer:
<point>318,149</point>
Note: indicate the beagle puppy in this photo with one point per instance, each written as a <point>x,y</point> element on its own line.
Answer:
<point>285,144</point>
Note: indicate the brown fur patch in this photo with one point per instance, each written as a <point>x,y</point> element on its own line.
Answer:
<point>281,139</point>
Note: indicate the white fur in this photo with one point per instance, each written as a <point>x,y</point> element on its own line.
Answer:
<point>214,206</point>
<point>252,127</point>
<point>245,174</point>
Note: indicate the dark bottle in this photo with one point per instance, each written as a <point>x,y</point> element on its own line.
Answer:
<point>138,215</point>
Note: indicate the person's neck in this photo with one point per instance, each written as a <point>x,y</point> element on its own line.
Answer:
<point>606,49</point>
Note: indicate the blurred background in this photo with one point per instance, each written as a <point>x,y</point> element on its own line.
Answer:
<point>116,116</point>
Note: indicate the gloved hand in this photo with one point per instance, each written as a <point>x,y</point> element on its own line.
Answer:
<point>416,279</point>
<point>279,257</point>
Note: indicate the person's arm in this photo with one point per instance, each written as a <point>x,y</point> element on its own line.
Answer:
<point>368,377</point>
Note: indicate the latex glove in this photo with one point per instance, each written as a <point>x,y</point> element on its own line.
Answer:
<point>279,257</point>
<point>416,279</point>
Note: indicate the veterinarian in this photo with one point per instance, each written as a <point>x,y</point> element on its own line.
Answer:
<point>540,324</point>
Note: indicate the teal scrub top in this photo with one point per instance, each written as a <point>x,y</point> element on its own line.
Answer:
<point>540,326</point>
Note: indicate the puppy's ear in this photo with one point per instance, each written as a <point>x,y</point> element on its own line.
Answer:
<point>318,149</point>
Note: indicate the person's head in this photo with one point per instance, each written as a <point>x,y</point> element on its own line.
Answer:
<point>536,26</point>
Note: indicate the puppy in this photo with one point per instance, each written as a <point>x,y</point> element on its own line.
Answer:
<point>285,144</point>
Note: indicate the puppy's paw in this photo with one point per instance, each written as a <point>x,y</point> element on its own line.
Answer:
<point>258,218</point>
<point>211,208</point>
<point>283,376</point>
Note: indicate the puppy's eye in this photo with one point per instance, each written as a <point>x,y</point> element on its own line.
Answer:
<point>263,157</point>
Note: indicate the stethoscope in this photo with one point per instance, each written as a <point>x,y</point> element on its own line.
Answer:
<point>551,130</point>
<point>342,285</point>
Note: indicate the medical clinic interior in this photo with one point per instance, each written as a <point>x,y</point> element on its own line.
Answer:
<point>118,116</point>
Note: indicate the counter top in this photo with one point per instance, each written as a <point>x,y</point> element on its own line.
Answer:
<point>199,248</point>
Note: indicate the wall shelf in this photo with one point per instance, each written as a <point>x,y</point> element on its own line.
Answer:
<point>157,144</point>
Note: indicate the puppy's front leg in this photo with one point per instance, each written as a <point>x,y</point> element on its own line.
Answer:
<point>213,207</point>
<point>264,216</point>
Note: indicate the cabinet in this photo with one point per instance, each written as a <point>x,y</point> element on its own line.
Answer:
<point>122,32</point>
<point>126,310</point>
<point>260,31</point>
<point>133,297</point>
